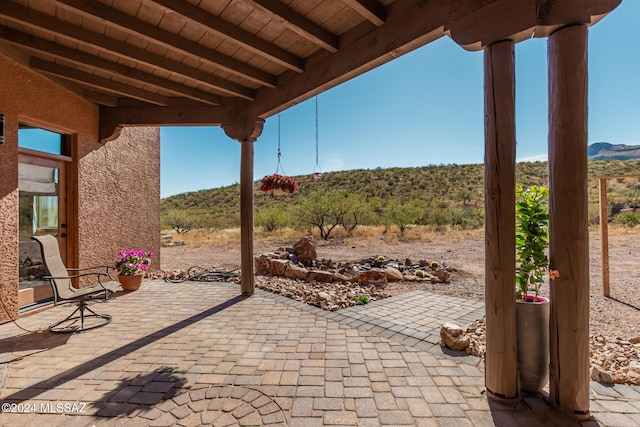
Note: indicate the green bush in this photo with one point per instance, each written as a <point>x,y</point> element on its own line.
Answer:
<point>627,219</point>
<point>271,218</point>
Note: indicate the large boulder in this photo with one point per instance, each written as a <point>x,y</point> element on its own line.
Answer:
<point>305,250</point>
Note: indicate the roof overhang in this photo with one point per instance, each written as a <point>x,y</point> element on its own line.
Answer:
<point>173,62</point>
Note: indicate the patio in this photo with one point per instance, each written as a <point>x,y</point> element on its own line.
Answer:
<point>206,356</point>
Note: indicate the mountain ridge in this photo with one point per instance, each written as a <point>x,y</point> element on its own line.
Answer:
<point>608,151</point>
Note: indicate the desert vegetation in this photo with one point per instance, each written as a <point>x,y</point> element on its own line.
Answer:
<point>438,197</point>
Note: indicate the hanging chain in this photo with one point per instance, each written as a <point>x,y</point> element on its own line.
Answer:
<point>317,163</point>
<point>279,166</point>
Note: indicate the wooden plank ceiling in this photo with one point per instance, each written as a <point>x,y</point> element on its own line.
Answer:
<point>205,60</point>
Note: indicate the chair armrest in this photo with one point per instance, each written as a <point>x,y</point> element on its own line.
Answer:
<point>74,276</point>
<point>107,269</point>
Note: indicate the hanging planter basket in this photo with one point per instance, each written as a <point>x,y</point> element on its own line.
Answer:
<point>278,184</point>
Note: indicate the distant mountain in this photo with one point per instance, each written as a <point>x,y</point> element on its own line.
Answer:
<point>606,151</point>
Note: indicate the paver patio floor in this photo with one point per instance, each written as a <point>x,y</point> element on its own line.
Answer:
<point>198,354</point>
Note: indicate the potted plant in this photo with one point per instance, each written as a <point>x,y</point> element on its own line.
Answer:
<point>131,265</point>
<point>532,265</point>
<point>276,182</point>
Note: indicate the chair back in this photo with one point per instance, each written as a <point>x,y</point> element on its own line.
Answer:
<point>53,263</point>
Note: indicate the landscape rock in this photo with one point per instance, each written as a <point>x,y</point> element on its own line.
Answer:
<point>601,376</point>
<point>337,277</point>
<point>612,361</point>
<point>393,274</point>
<point>320,276</point>
<point>454,337</point>
<point>296,272</point>
<point>305,250</point>
<point>277,267</point>
<point>375,276</point>
<point>442,275</point>
<point>261,264</point>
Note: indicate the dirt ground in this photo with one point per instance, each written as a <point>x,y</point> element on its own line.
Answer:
<point>615,317</point>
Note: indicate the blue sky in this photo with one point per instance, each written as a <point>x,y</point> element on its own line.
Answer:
<point>424,108</point>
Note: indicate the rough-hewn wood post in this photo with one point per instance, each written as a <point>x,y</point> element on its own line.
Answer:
<point>568,209</point>
<point>501,372</point>
<point>604,235</point>
<point>246,133</point>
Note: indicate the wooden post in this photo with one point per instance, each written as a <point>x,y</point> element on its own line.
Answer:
<point>246,217</point>
<point>604,236</point>
<point>246,132</point>
<point>568,210</point>
<point>501,370</point>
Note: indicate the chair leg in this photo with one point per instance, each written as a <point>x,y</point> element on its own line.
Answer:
<point>66,325</point>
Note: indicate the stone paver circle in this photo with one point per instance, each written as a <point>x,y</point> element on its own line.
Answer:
<point>227,405</point>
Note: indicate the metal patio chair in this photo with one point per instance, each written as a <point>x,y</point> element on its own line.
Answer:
<point>63,291</point>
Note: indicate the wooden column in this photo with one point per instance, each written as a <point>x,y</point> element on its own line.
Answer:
<point>604,235</point>
<point>501,371</point>
<point>246,217</point>
<point>568,210</point>
<point>246,132</point>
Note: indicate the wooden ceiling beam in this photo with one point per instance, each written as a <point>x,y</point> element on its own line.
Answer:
<point>371,10</point>
<point>409,25</point>
<point>32,18</point>
<point>156,35</point>
<point>83,58</point>
<point>91,80</point>
<point>233,34</point>
<point>100,98</point>
<point>298,24</point>
<point>519,20</point>
<point>177,113</point>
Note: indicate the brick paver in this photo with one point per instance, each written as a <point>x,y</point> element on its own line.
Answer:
<point>199,354</point>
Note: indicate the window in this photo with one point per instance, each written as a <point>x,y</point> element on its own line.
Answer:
<point>42,140</point>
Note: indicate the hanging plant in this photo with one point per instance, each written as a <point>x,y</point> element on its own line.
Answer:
<point>276,182</point>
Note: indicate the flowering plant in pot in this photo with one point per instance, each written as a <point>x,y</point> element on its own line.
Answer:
<point>131,265</point>
<point>276,182</point>
<point>532,264</point>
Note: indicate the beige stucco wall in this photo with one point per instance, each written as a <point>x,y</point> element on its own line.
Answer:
<point>117,198</point>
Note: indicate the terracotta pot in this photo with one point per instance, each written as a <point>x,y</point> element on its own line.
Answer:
<point>130,282</point>
<point>532,323</point>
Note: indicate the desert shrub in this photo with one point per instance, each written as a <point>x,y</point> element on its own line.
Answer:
<point>271,218</point>
<point>401,215</point>
<point>627,219</point>
<point>178,220</point>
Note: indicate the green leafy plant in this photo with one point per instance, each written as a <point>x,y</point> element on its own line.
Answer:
<point>362,298</point>
<point>532,239</point>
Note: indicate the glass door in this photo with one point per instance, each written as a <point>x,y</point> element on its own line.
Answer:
<point>42,204</point>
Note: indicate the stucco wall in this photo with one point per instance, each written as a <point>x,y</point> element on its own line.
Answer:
<point>117,200</point>
<point>119,197</point>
